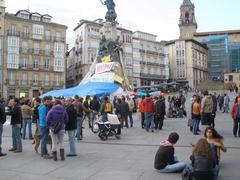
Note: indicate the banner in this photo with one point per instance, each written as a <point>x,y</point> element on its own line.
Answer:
<point>104,77</point>
<point>103,67</point>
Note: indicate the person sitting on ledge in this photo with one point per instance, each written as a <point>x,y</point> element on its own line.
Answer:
<point>165,161</point>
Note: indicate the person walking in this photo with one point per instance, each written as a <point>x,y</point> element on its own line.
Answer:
<point>206,109</point>
<point>94,107</point>
<point>124,111</point>
<point>71,126</point>
<point>55,115</point>
<point>130,103</point>
<point>160,112</point>
<point>141,110</point>
<point>149,110</point>
<point>35,119</point>
<point>27,121</point>
<point>16,122</point>
<point>226,103</point>
<point>2,121</point>
<point>87,110</point>
<point>236,118</point>
<point>214,99</point>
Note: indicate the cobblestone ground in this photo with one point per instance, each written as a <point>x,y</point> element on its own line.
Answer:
<point>131,157</point>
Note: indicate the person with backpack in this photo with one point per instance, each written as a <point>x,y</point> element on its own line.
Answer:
<point>79,108</point>
<point>105,108</point>
<point>2,121</point>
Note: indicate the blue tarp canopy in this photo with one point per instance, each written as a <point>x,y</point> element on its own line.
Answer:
<point>90,88</point>
<point>155,93</point>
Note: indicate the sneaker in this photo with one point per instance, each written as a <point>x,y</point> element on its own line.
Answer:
<point>12,149</point>
<point>17,151</point>
<point>47,157</point>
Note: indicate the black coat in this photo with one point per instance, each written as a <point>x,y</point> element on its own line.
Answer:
<point>95,105</point>
<point>160,107</point>
<point>202,163</point>
<point>123,108</point>
<point>164,157</point>
<point>2,113</point>
<point>72,118</point>
<point>16,115</point>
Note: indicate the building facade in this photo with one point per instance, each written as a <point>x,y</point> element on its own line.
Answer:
<point>148,67</point>
<point>150,60</point>
<point>188,62</point>
<point>231,80</point>
<point>33,54</point>
<point>224,51</point>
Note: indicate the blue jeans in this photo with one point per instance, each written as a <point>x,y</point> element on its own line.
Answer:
<point>27,122</point>
<point>196,123</point>
<point>130,118</point>
<point>1,131</point>
<point>177,167</point>
<point>79,127</point>
<point>44,140</point>
<point>71,139</point>
<point>16,137</point>
<point>149,120</point>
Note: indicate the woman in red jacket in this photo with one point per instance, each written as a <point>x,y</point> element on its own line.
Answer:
<point>236,118</point>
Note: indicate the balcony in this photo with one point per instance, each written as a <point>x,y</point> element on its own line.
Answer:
<point>11,82</point>
<point>35,83</point>
<point>13,33</point>
<point>59,39</point>
<point>36,51</point>
<point>23,66</point>
<point>58,83</point>
<point>152,76</point>
<point>23,83</point>
<point>25,35</point>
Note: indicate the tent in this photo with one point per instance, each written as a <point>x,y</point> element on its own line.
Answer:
<point>90,88</point>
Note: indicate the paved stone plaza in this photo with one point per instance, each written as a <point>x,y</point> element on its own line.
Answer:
<point>131,157</point>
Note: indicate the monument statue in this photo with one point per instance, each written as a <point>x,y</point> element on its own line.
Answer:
<point>111,14</point>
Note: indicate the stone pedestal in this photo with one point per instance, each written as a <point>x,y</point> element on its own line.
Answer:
<point>110,31</point>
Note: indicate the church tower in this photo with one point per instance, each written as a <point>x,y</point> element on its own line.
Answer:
<point>187,22</point>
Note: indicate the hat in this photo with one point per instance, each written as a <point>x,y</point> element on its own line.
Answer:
<point>173,137</point>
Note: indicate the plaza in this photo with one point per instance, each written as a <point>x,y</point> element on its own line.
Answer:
<point>131,157</point>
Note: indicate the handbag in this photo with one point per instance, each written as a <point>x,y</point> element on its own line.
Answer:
<point>56,127</point>
<point>187,174</point>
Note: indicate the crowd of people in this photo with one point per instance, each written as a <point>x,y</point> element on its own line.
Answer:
<point>55,116</point>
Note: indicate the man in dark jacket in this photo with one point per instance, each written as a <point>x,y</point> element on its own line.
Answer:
<point>214,99</point>
<point>95,107</point>
<point>165,161</point>
<point>2,121</point>
<point>16,122</point>
<point>124,111</point>
<point>159,112</point>
<point>87,110</point>
<point>71,126</point>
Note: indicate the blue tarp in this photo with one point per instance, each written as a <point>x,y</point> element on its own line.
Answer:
<point>90,88</point>
<point>155,93</point>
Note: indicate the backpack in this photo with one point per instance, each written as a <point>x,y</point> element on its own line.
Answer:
<point>186,174</point>
<point>108,107</point>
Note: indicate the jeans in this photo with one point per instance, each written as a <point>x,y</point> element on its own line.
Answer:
<point>16,137</point>
<point>177,167</point>
<point>143,119</point>
<point>236,127</point>
<point>79,127</point>
<point>71,139</point>
<point>130,118</point>
<point>44,140</point>
<point>149,120</point>
<point>1,131</point>
<point>27,122</point>
<point>57,140</point>
<point>196,123</point>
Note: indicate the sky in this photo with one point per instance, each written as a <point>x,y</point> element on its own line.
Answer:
<point>158,17</point>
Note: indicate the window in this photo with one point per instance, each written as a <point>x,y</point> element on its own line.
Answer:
<point>36,63</point>
<point>36,18</point>
<point>47,49</point>
<point>11,76</point>
<point>47,79</point>
<point>35,78</point>
<point>24,46</point>
<point>24,62</point>
<point>230,78</point>
<point>58,36</point>
<point>38,31</point>
<point>24,78</point>
<point>47,63</point>
<point>13,29</point>
<point>58,80</point>
<point>48,35</point>
<point>36,47</point>
<point>25,33</point>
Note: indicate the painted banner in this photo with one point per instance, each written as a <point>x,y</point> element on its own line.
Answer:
<point>103,67</point>
<point>104,77</point>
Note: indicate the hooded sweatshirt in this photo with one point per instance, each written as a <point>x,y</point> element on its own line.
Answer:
<point>207,104</point>
<point>164,155</point>
<point>57,113</point>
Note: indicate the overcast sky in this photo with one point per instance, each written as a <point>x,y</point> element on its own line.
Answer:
<point>158,17</point>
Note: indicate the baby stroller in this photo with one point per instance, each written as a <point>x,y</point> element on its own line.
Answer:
<point>108,128</point>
